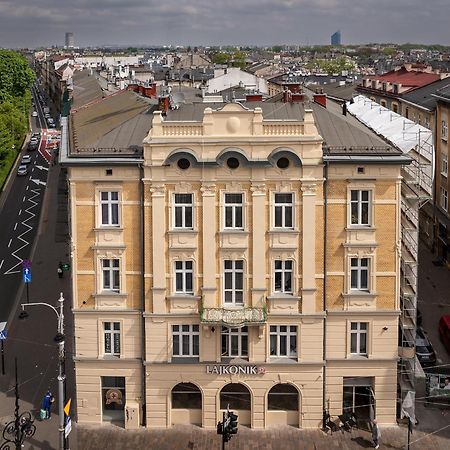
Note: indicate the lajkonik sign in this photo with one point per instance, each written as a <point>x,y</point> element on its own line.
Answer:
<point>235,370</point>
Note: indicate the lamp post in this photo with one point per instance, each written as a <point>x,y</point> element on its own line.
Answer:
<point>59,339</point>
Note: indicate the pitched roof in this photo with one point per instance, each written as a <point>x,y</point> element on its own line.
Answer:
<point>407,78</point>
<point>85,88</point>
<point>423,96</point>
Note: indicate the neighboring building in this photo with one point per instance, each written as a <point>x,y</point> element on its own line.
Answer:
<point>70,41</point>
<point>336,38</point>
<point>233,76</point>
<point>232,255</point>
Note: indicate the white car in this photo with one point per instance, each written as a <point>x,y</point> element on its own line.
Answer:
<point>22,170</point>
<point>34,113</point>
<point>26,159</point>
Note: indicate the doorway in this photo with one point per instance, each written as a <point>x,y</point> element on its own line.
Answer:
<point>113,400</point>
<point>359,399</point>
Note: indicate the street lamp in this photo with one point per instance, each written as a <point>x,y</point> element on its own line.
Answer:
<point>59,339</point>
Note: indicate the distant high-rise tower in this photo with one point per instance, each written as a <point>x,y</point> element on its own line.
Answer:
<point>336,38</point>
<point>70,43</point>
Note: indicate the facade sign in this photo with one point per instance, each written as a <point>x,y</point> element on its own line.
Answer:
<point>235,370</point>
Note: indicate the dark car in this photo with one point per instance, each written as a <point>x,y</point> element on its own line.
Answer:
<point>32,146</point>
<point>424,350</point>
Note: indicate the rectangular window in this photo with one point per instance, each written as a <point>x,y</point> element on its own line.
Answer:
<point>235,342</point>
<point>185,340</point>
<point>283,341</point>
<point>184,277</point>
<point>444,164</point>
<point>111,332</point>
<point>360,274</point>
<point>111,275</point>
<point>234,282</point>
<point>109,203</point>
<point>234,210</point>
<point>283,276</point>
<point>360,207</point>
<point>183,211</point>
<point>358,338</point>
<point>444,130</point>
<point>444,198</point>
<point>284,211</point>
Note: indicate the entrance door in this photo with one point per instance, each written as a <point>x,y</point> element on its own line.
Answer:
<point>358,399</point>
<point>113,400</point>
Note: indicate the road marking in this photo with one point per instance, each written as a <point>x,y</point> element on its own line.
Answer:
<point>20,212</point>
<point>42,168</point>
<point>9,245</point>
<point>15,226</point>
<point>27,188</point>
<point>1,263</point>
<point>32,169</point>
<point>39,182</point>
<point>23,198</point>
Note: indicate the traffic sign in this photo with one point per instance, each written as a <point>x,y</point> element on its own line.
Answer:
<point>26,275</point>
<point>3,335</point>
<point>67,407</point>
<point>68,427</point>
<point>26,264</point>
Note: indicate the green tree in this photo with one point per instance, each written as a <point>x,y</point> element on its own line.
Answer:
<point>15,75</point>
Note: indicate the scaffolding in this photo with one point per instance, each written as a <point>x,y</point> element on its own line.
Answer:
<point>416,190</point>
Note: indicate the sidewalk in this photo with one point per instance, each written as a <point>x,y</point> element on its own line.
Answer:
<point>282,438</point>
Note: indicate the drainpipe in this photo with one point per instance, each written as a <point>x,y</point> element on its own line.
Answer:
<point>143,340</point>
<point>324,343</point>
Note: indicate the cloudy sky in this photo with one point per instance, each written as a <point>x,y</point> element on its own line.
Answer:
<point>33,23</point>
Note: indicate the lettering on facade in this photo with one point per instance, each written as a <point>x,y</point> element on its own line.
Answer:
<point>235,370</point>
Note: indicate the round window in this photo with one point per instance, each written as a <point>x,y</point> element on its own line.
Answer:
<point>283,163</point>
<point>233,163</point>
<point>183,163</point>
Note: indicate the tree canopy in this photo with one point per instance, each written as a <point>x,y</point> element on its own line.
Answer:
<point>15,75</point>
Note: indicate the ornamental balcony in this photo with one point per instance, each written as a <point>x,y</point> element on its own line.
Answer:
<point>233,317</point>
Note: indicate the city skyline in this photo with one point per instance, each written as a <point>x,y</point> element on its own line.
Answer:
<point>102,22</point>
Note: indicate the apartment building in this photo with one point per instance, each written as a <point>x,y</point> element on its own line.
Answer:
<point>232,255</point>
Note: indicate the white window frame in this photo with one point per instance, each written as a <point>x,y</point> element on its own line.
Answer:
<point>233,207</point>
<point>184,207</point>
<point>359,331</point>
<point>444,164</point>
<point>359,268</point>
<point>444,130</point>
<point>283,271</point>
<point>444,199</point>
<point>112,268</point>
<point>359,202</point>
<point>109,203</point>
<point>275,331</point>
<point>284,206</point>
<point>239,334</point>
<point>234,290</point>
<point>112,333</point>
<point>184,271</point>
<point>191,334</point>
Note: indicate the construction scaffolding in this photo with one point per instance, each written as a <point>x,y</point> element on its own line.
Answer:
<point>416,190</point>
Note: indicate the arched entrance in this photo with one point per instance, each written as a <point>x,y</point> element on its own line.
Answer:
<point>237,398</point>
<point>283,405</point>
<point>186,404</point>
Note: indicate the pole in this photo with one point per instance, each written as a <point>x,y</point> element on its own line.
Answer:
<point>223,431</point>
<point>409,431</point>
<point>61,375</point>
<point>3,357</point>
<point>16,412</point>
<point>28,293</point>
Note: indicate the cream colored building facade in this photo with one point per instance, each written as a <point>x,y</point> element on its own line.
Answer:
<point>200,279</point>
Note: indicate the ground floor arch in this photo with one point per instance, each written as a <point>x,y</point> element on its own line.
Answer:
<point>283,405</point>
<point>238,398</point>
<point>186,404</point>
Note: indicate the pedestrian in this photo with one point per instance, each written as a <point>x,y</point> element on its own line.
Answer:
<point>376,434</point>
<point>47,404</point>
<point>447,383</point>
<point>60,270</point>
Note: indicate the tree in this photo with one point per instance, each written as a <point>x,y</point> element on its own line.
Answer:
<point>16,76</point>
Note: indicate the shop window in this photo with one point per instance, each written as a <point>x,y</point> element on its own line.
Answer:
<point>283,397</point>
<point>235,396</point>
<point>113,399</point>
<point>186,396</point>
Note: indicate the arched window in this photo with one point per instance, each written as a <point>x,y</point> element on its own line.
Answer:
<point>186,396</point>
<point>283,397</point>
<point>235,396</point>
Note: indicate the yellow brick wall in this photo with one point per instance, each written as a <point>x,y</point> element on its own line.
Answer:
<point>385,236</point>
<point>386,292</point>
<point>335,288</point>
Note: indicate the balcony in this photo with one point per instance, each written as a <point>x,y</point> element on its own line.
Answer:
<point>233,317</point>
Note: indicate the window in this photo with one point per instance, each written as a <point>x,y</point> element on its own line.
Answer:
<point>234,282</point>
<point>185,340</point>
<point>283,276</point>
<point>383,102</point>
<point>184,276</point>
<point>183,211</point>
<point>109,202</point>
<point>444,164</point>
<point>235,396</point>
<point>360,207</point>
<point>282,397</point>
<point>111,275</point>
<point>358,338</point>
<point>395,107</point>
<point>186,396</point>
<point>235,342</point>
<point>111,332</point>
<point>444,198</point>
<point>444,130</point>
<point>234,211</point>
<point>284,211</point>
<point>283,341</point>
<point>360,274</point>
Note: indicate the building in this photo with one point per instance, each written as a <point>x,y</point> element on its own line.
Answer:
<point>336,38</point>
<point>241,255</point>
<point>70,41</point>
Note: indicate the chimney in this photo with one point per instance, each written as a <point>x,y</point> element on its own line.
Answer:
<point>150,91</point>
<point>253,97</point>
<point>320,98</point>
<point>163,104</point>
<point>287,96</point>
<point>297,97</point>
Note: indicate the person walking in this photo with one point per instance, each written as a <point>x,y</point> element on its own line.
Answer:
<point>47,404</point>
<point>376,434</point>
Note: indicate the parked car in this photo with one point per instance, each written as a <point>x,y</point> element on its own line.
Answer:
<point>26,159</point>
<point>36,135</point>
<point>32,146</point>
<point>424,350</point>
<point>444,331</point>
<point>34,114</point>
<point>22,170</point>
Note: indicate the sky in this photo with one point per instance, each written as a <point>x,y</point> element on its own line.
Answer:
<point>35,23</point>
